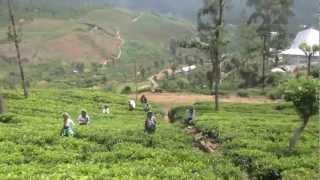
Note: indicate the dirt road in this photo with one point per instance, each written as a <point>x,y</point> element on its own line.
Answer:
<point>169,100</point>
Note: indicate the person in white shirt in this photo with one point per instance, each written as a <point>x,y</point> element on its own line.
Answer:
<point>84,118</point>
<point>68,124</point>
<point>132,105</point>
<point>105,109</point>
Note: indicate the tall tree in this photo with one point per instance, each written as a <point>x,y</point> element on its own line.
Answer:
<point>210,28</point>
<point>14,37</point>
<point>272,16</point>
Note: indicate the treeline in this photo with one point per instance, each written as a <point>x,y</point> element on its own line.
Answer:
<point>304,11</point>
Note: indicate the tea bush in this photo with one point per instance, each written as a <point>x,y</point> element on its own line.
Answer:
<point>8,118</point>
<point>256,138</point>
<point>113,146</point>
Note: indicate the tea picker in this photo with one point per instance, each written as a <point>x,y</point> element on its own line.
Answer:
<point>150,123</point>
<point>68,124</point>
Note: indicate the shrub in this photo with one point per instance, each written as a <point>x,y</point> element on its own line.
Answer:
<point>169,85</point>
<point>302,93</point>
<point>126,90</point>
<point>315,71</point>
<point>243,93</point>
<point>8,118</point>
<point>274,94</point>
<point>274,79</point>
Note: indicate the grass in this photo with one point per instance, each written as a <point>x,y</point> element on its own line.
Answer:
<point>113,146</point>
<point>256,138</point>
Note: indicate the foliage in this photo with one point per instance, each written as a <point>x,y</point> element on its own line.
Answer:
<point>274,94</point>
<point>250,75</point>
<point>255,137</point>
<point>274,16</point>
<point>309,52</point>
<point>126,90</point>
<point>2,105</point>
<point>315,71</point>
<point>112,146</point>
<point>8,118</point>
<point>243,93</point>
<point>275,79</point>
<point>303,93</point>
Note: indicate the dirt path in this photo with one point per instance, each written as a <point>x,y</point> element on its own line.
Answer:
<point>136,19</point>
<point>170,100</point>
<point>122,41</point>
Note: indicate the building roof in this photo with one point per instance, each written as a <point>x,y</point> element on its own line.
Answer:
<point>309,36</point>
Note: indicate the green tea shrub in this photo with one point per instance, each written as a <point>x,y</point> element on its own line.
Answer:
<point>8,118</point>
<point>303,93</point>
<point>255,138</point>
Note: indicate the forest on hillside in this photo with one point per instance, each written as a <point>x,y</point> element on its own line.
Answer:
<point>304,10</point>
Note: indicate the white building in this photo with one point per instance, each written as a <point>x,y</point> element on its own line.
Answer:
<point>295,55</point>
<point>186,69</point>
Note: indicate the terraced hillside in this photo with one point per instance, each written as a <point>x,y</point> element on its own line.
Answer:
<point>113,146</point>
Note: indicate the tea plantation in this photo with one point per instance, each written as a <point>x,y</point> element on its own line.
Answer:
<point>115,147</point>
<point>256,138</point>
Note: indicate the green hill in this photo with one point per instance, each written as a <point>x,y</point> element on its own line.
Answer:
<point>44,35</point>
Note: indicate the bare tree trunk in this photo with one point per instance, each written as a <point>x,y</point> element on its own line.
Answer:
<point>296,135</point>
<point>309,65</point>
<point>135,79</point>
<point>1,105</point>
<point>16,43</point>
<point>217,55</point>
<point>264,62</point>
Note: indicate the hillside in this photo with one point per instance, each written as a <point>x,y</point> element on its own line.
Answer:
<point>104,41</point>
<point>74,40</point>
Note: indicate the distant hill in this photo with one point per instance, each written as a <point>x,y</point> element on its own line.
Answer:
<point>95,35</point>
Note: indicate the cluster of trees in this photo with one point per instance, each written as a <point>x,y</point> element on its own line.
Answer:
<point>269,18</point>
